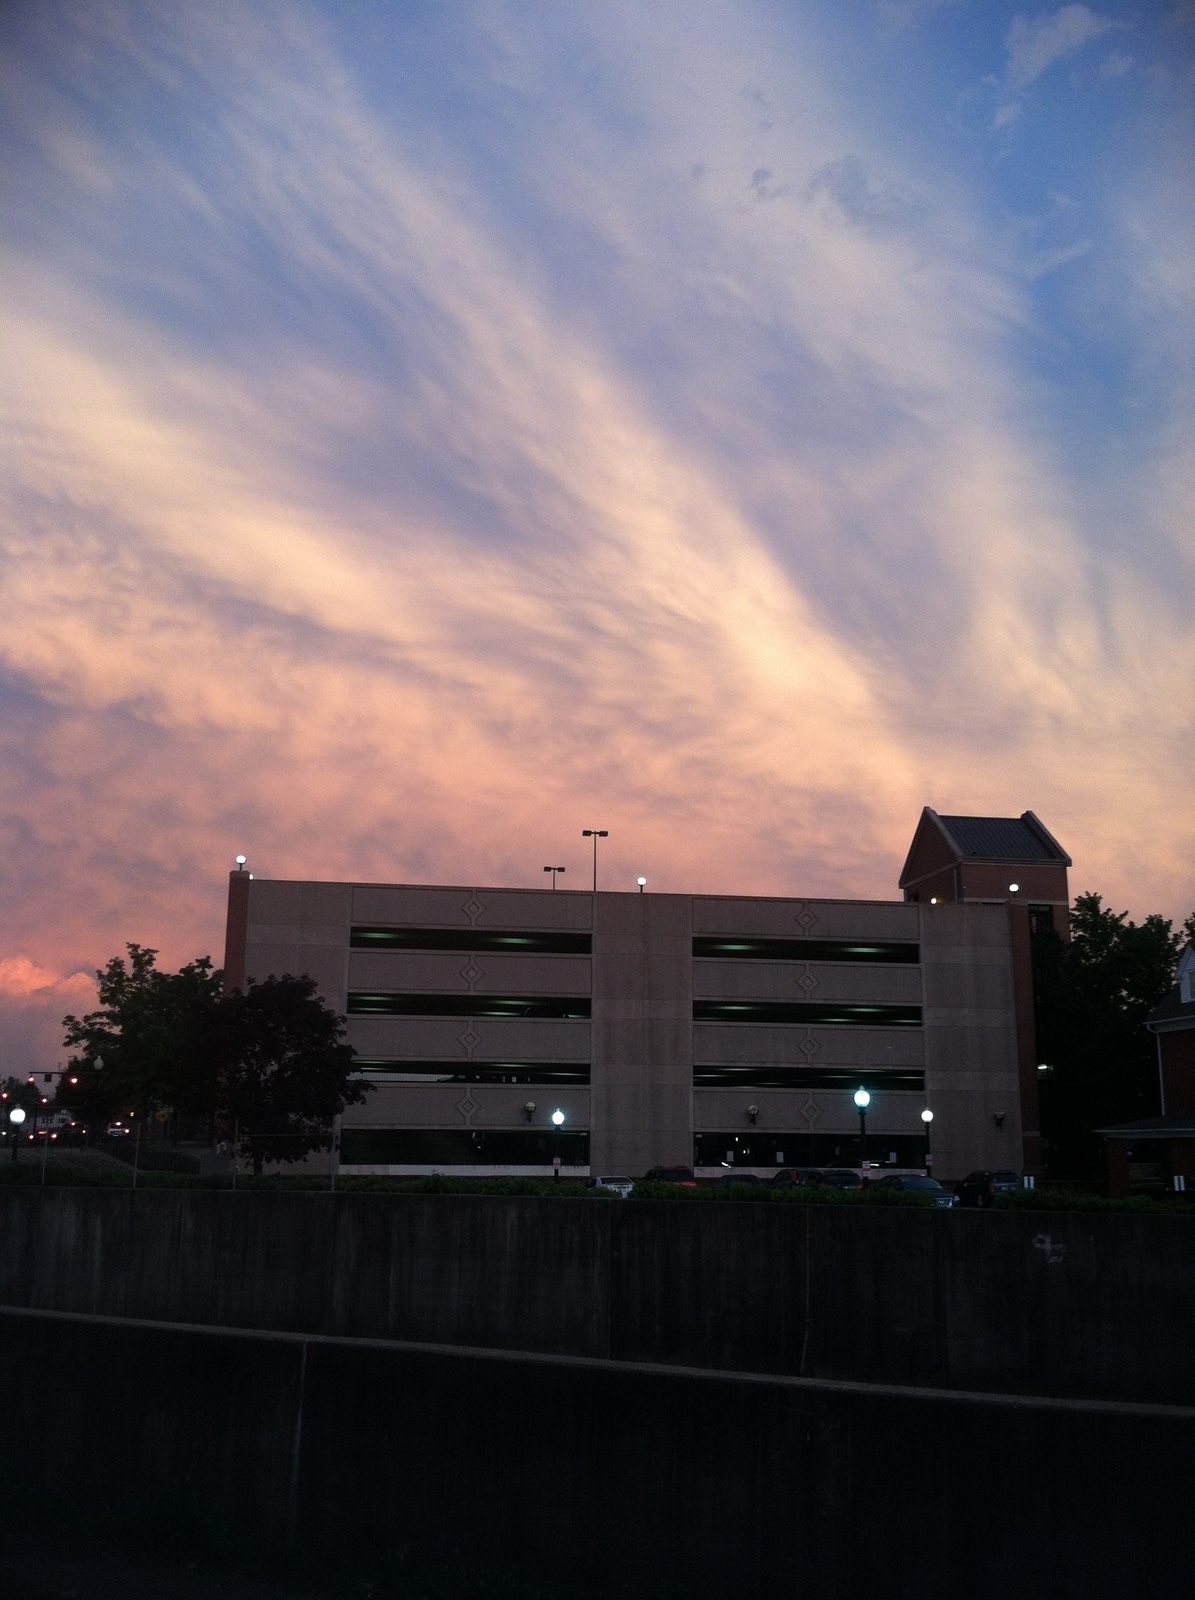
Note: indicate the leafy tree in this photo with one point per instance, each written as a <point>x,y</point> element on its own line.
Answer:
<point>1092,997</point>
<point>270,1065</point>
<point>155,1042</point>
<point>287,1074</point>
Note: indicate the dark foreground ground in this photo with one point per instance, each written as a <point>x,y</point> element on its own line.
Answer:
<point>87,1571</point>
<point>72,1567</point>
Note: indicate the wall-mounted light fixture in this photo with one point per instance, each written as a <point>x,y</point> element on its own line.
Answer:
<point>752,1113</point>
<point>529,1110</point>
<point>998,1118</point>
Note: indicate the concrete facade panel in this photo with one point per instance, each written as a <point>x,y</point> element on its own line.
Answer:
<point>806,980</point>
<point>465,1038</point>
<point>806,1111</point>
<point>456,971</point>
<point>971,1060</point>
<point>439,1105</point>
<point>412,906</point>
<point>326,963</point>
<point>804,919</point>
<point>737,1044</point>
<point>956,983</point>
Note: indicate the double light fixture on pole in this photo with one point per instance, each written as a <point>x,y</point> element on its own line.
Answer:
<point>595,834</point>
<point>553,871</point>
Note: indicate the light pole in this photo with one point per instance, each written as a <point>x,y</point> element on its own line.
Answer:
<point>642,882</point>
<point>595,834</point>
<point>16,1116</point>
<point>44,1117</point>
<point>927,1117</point>
<point>553,871</point>
<point>557,1122</point>
<point>862,1101</point>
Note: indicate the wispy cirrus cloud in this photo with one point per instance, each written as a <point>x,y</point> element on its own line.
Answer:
<point>398,486</point>
<point>1034,45</point>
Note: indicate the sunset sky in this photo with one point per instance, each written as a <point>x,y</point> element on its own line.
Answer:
<point>433,428</point>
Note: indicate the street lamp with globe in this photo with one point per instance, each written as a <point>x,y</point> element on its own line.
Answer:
<point>927,1117</point>
<point>16,1116</point>
<point>862,1101</point>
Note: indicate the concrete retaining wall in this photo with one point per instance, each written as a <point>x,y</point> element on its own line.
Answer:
<point>599,1477</point>
<point>1067,1305</point>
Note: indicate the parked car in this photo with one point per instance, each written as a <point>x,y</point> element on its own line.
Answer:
<point>835,1178</point>
<point>982,1188</point>
<point>682,1175</point>
<point>622,1186</point>
<point>736,1180</point>
<point>914,1183</point>
<point>789,1178</point>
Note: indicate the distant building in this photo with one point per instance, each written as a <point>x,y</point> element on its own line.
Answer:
<point>508,1029</point>
<point>1161,1149</point>
<point>1009,861</point>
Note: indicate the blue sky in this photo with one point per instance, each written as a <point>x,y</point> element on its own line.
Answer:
<point>433,429</point>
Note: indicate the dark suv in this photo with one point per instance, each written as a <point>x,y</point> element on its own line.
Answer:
<point>981,1188</point>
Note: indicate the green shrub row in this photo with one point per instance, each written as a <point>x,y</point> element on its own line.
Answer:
<point>64,1174</point>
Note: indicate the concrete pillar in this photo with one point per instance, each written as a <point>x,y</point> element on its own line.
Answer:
<point>641,1094</point>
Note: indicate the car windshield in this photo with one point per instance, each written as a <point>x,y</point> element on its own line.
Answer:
<point>920,1183</point>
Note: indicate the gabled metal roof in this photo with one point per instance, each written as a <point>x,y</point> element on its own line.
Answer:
<point>1020,839</point>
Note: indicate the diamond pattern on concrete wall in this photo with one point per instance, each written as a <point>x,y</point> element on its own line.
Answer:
<point>804,918</point>
<point>811,1111</point>
<point>471,972</point>
<point>467,1107</point>
<point>469,1040</point>
<point>473,909</point>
